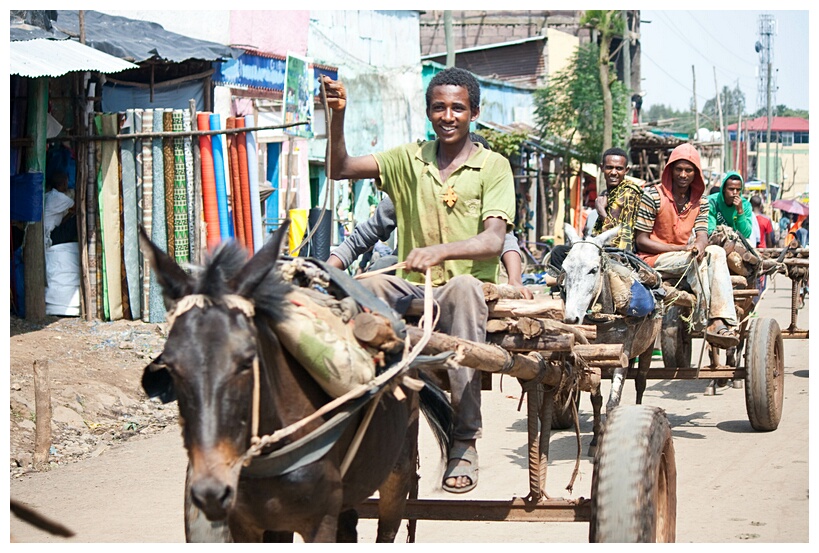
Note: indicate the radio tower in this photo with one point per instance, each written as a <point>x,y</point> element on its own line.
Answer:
<point>764,47</point>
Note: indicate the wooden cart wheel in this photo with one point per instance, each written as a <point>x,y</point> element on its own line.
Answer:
<point>764,374</point>
<point>675,339</point>
<point>562,416</point>
<point>198,529</point>
<point>634,483</point>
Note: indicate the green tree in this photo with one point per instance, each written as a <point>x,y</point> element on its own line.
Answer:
<point>609,23</point>
<point>732,102</point>
<point>570,110</point>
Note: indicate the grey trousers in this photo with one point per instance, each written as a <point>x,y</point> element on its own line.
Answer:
<point>463,314</point>
<point>715,296</point>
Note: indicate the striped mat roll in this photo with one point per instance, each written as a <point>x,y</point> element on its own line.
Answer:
<point>159,234</point>
<point>91,228</point>
<point>244,184</point>
<point>168,167</point>
<point>187,146</point>
<point>147,206</point>
<point>180,194</point>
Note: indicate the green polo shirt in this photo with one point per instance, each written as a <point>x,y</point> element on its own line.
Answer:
<point>485,188</point>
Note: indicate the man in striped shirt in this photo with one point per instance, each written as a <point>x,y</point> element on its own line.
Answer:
<point>671,233</point>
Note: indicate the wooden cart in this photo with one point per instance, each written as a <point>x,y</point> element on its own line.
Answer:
<point>757,363</point>
<point>526,340</point>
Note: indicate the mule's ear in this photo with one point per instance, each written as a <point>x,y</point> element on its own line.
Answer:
<point>175,282</point>
<point>602,238</point>
<point>571,234</point>
<point>260,264</point>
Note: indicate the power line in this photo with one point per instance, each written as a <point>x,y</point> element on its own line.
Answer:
<point>686,40</point>
<point>718,42</point>
<point>670,76</point>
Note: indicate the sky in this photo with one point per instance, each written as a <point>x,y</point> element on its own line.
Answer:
<point>673,41</point>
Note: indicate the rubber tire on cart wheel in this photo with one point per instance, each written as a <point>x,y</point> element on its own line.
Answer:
<point>562,416</point>
<point>764,374</point>
<point>198,529</point>
<point>634,483</point>
<point>675,340</point>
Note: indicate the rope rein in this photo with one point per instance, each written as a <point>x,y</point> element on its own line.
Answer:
<point>246,307</point>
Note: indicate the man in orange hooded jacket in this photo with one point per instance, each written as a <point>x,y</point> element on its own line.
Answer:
<point>671,233</point>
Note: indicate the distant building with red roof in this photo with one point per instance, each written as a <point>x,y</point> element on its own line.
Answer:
<point>789,152</point>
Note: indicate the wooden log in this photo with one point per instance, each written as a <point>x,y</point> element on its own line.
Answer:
<point>492,358</point>
<point>508,324</point>
<point>546,343</point>
<point>594,354</point>
<point>678,297</point>
<point>540,307</point>
<point>746,293</point>
<point>495,292</point>
<point>375,330</point>
<point>487,357</point>
<point>797,262</point>
<point>42,413</point>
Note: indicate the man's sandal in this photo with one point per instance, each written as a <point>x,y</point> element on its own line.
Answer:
<point>466,453</point>
<point>722,337</point>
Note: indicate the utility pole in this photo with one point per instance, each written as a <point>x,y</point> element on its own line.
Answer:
<point>768,140</point>
<point>721,126</point>
<point>696,112</point>
<point>450,50</point>
<point>739,138</point>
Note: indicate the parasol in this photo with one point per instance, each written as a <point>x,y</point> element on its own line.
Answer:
<point>791,206</point>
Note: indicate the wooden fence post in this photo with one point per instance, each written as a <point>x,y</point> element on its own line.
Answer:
<point>42,412</point>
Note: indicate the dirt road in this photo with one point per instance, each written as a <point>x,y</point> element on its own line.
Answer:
<point>734,485</point>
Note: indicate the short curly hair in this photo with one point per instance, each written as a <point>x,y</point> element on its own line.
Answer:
<point>458,77</point>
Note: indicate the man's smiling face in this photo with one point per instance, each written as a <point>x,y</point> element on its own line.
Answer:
<point>450,114</point>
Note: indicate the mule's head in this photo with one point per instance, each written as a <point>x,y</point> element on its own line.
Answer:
<point>583,274</point>
<point>208,360</point>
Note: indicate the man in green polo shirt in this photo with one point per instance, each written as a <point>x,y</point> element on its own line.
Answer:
<point>454,202</point>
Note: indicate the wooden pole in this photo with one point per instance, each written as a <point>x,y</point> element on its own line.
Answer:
<point>721,126</point>
<point>42,413</point>
<point>696,113</point>
<point>547,308</point>
<point>34,245</point>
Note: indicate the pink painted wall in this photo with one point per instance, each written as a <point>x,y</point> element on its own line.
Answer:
<point>275,32</point>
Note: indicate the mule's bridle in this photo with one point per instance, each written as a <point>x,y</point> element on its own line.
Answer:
<point>231,301</point>
<point>603,269</point>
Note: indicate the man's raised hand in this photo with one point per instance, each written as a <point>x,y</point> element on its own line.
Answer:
<point>336,93</point>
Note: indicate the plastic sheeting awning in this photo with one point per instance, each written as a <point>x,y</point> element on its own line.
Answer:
<point>52,58</point>
<point>138,41</point>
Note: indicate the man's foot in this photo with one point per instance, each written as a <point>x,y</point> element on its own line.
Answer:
<point>461,474</point>
<point>718,334</point>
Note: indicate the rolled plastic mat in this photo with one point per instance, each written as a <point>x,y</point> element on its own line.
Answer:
<point>253,177</point>
<point>235,184</point>
<point>244,184</point>
<point>210,205</point>
<point>218,147</point>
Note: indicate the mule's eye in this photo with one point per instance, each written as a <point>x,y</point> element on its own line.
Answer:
<point>245,365</point>
<point>593,270</point>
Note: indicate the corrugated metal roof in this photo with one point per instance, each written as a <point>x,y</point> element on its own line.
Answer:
<point>52,58</point>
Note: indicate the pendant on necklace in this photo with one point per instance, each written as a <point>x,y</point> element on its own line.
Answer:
<point>450,197</point>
